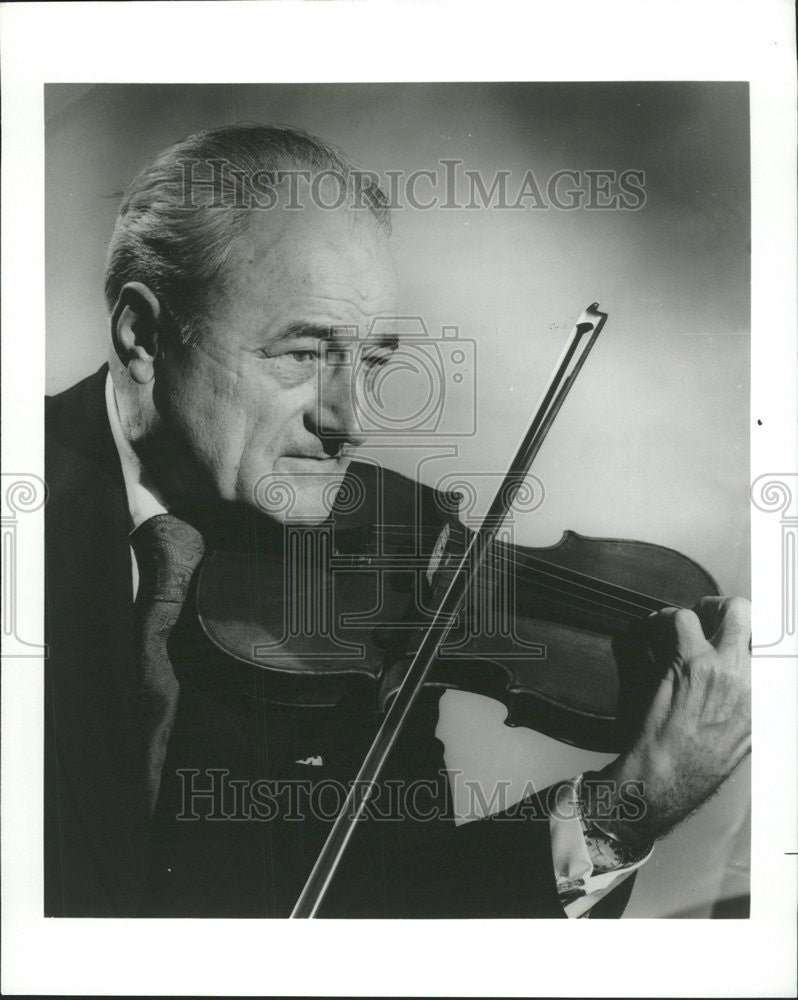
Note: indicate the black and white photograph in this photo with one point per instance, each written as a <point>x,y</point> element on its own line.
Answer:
<point>270,546</point>
<point>396,508</point>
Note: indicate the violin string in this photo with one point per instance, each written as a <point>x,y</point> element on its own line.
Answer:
<point>620,599</point>
<point>631,612</point>
<point>640,603</point>
<point>612,602</point>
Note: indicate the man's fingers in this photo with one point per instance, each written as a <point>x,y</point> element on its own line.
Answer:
<point>690,638</point>
<point>676,630</point>
<point>710,613</point>
<point>726,621</point>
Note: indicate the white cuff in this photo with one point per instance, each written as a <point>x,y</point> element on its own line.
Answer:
<point>578,887</point>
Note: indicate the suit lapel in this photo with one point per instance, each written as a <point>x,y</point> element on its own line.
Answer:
<point>91,675</point>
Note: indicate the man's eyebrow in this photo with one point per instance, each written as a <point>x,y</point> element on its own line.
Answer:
<point>320,331</point>
<point>294,331</point>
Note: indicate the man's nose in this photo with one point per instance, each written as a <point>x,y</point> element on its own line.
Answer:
<point>335,420</point>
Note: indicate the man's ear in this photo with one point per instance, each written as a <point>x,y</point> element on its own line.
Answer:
<point>136,323</point>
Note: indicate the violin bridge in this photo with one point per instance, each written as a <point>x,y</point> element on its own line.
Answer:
<point>438,553</point>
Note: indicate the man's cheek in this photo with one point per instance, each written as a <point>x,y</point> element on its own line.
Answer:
<point>217,441</point>
<point>255,467</point>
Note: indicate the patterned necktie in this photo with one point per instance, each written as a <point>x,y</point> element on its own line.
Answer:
<point>167,551</point>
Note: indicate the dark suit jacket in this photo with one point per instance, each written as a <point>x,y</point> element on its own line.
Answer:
<point>102,856</point>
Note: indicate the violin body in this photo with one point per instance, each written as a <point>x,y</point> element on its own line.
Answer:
<point>336,611</point>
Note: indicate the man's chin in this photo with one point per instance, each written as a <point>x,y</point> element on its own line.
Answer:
<point>300,489</point>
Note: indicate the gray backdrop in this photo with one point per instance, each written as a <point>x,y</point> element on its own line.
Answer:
<point>652,444</point>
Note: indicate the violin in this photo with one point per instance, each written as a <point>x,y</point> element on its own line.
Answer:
<point>542,630</point>
<point>393,593</point>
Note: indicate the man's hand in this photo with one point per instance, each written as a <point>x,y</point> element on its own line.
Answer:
<point>698,728</point>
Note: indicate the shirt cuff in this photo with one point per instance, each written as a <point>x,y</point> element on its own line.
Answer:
<point>578,887</point>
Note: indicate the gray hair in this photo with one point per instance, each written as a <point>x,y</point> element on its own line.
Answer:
<point>180,254</point>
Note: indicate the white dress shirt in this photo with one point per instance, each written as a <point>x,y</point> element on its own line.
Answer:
<point>573,867</point>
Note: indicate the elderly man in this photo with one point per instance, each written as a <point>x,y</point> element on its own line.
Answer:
<point>229,290</point>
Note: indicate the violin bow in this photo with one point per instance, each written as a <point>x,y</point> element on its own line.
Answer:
<point>583,337</point>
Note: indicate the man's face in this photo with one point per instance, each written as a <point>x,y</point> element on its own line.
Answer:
<point>259,399</point>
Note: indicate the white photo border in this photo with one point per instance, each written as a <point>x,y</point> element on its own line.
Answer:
<point>437,41</point>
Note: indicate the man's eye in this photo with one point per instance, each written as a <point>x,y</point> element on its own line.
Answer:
<point>304,357</point>
<point>376,360</point>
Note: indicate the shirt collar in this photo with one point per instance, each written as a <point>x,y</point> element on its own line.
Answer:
<point>144,500</point>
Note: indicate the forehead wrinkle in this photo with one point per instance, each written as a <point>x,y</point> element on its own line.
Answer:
<point>358,299</point>
<point>281,261</point>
